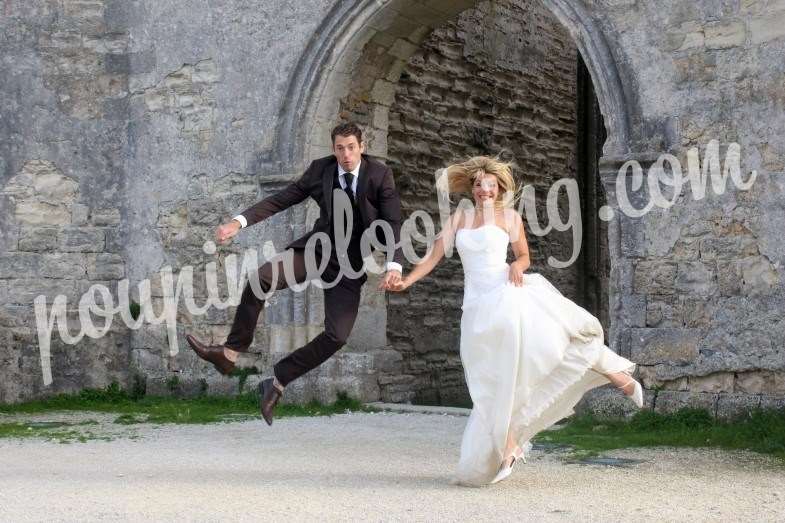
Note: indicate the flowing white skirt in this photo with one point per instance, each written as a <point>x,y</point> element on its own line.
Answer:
<point>529,355</point>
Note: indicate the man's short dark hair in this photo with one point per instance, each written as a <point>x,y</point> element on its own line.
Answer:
<point>347,129</point>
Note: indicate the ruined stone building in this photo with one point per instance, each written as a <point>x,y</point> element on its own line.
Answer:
<point>129,129</point>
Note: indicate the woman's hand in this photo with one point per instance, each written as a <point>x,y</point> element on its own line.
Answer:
<point>516,273</point>
<point>400,285</point>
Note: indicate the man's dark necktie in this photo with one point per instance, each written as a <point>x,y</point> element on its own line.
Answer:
<point>349,177</point>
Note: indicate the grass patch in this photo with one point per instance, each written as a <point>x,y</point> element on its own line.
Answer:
<point>133,409</point>
<point>61,432</point>
<point>760,430</point>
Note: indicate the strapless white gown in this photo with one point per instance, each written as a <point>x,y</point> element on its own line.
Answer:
<point>529,354</point>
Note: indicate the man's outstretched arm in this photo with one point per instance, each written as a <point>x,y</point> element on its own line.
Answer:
<point>292,194</point>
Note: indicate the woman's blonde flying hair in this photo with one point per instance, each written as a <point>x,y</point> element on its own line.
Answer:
<point>460,178</point>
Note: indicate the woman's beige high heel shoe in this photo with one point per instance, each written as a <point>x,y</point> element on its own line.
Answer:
<point>505,471</point>
<point>637,392</point>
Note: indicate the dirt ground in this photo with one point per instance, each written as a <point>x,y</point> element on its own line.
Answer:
<point>360,467</point>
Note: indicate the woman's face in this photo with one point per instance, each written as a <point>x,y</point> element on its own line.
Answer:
<point>485,189</point>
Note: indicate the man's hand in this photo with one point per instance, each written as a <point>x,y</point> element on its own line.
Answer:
<point>391,279</point>
<point>227,231</point>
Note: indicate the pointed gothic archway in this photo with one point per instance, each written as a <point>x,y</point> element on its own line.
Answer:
<point>351,68</point>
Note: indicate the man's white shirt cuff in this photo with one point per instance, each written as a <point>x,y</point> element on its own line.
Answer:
<point>240,218</point>
<point>394,266</point>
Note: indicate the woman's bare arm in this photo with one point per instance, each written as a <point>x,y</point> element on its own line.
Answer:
<point>520,248</point>
<point>436,253</point>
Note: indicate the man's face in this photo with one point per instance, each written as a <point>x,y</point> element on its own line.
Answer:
<point>348,151</point>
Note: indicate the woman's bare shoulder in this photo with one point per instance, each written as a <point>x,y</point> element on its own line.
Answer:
<point>512,220</point>
<point>512,216</point>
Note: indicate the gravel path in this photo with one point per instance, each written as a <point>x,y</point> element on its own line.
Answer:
<point>362,467</point>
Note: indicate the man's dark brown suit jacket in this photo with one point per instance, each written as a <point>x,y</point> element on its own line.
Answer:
<point>376,197</point>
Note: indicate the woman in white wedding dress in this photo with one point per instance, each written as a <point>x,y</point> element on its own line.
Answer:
<point>529,353</point>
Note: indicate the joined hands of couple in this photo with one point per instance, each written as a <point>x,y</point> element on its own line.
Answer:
<point>394,282</point>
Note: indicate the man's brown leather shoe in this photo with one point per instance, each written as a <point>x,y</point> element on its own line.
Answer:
<point>268,399</point>
<point>213,354</point>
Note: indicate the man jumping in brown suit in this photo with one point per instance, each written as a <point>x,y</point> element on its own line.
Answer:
<point>371,191</point>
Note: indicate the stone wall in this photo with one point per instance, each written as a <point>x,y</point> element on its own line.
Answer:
<point>703,280</point>
<point>122,148</point>
<point>129,129</point>
<point>62,147</point>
